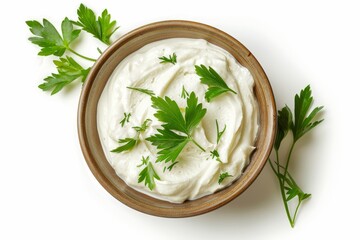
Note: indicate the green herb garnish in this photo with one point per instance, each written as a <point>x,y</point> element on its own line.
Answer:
<point>170,59</point>
<point>302,123</point>
<point>223,176</point>
<point>172,165</point>
<point>126,119</point>
<point>49,39</point>
<point>218,132</point>
<point>143,90</point>
<point>101,28</point>
<point>184,93</point>
<point>211,78</point>
<point>130,143</point>
<point>215,154</point>
<point>51,42</point>
<point>143,126</point>
<point>169,143</point>
<point>148,174</point>
<point>68,71</point>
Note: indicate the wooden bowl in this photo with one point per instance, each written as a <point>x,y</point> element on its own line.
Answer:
<point>95,83</point>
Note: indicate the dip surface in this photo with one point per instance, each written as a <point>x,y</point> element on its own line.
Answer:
<point>196,174</point>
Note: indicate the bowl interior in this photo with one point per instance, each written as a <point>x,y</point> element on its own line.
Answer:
<point>95,83</point>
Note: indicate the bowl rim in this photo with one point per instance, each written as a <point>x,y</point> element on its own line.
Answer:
<point>84,138</point>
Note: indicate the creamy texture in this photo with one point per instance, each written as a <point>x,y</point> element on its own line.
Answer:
<point>196,174</point>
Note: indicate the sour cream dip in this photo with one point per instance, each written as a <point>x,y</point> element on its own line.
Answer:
<point>196,174</point>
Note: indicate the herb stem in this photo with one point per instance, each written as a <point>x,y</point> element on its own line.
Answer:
<point>82,56</point>
<point>296,211</point>
<point>285,202</point>
<point>298,123</point>
<point>232,91</point>
<point>283,196</point>
<point>271,165</point>
<point>277,161</point>
<point>288,160</point>
<point>281,184</point>
<point>197,144</point>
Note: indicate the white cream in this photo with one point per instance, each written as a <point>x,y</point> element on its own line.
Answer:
<point>196,174</point>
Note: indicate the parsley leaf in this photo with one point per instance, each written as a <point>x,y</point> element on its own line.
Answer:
<point>293,190</point>
<point>166,140</point>
<point>223,176</point>
<point>284,125</point>
<point>169,113</point>
<point>148,174</point>
<point>69,66</point>
<point>215,82</point>
<point>171,166</point>
<point>194,112</point>
<point>49,39</point>
<point>101,28</point>
<point>68,71</point>
<point>143,126</point>
<point>143,90</point>
<point>218,132</point>
<point>303,122</point>
<point>170,59</point>
<point>56,82</point>
<point>169,143</point>
<point>184,93</point>
<point>215,154</point>
<point>126,119</point>
<point>130,143</point>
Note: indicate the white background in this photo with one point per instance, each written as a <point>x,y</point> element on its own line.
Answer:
<point>48,192</point>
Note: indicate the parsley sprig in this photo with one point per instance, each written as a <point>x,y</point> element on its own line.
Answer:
<point>171,59</point>
<point>101,28</point>
<point>49,39</point>
<point>168,142</point>
<point>53,42</point>
<point>126,119</point>
<point>215,82</point>
<point>218,132</point>
<point>214,153</point>
<point>68,71</point>
<point>129,143</point>
<point>298,124</point>
<point>223,176</point>
<point>148,174</point>
<point>143,90</point>
<point>184,93</point>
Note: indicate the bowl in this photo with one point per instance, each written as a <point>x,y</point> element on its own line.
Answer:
<point>96,81</point>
